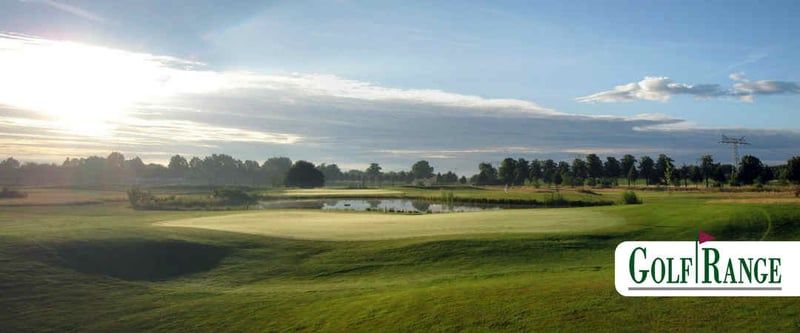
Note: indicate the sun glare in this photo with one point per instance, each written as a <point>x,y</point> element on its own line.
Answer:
<point>85,88</point>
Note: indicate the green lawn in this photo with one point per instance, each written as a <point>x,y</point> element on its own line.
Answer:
<point>104,267</point>
<point>313,224</point>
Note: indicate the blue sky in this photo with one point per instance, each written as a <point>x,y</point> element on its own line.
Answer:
<point>354,82</point>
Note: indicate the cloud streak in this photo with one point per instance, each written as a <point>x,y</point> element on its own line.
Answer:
<point>74,10</point>
<point>663,89</point>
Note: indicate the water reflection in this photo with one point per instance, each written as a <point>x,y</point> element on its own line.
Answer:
<point>382,205</point>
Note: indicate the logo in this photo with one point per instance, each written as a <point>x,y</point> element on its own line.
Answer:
<point>707,268</point>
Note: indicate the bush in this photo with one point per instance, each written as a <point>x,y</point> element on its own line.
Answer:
<point>8,193</point>
<point>139,198</point>
<point>630,198</point>
<point>234,196</point>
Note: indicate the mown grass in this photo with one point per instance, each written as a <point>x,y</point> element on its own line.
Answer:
<point>74,268</point>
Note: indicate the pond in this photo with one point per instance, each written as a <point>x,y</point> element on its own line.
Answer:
<point>381,205</point>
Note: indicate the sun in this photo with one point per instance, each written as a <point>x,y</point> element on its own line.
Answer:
<point>77,85</point>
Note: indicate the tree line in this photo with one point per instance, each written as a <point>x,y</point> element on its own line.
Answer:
<point>593,171</point>
<point>213,170</point>
<point>221,169</point>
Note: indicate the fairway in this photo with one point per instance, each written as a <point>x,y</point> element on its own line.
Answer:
<point>372,226</point>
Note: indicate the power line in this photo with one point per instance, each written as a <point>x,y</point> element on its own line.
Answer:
<point>734,143</point>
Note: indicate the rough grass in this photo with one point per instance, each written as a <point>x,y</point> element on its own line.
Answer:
<point>63,196</point>
<point>508,282</point>
<point>314,224</point>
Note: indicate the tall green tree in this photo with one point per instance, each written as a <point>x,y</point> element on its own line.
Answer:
<point>579,172</point>
<point>750,169</point>
<point>507,171</point>
<point>276,169</point>
<point>304,174</point>
<point>663,170</point>
<point>536,170</point>
<point>594,166</point>
<point>487,174</point>
<point>373,172</point>
<point>707,167</point>
<point>422,170</point>
<point>793,170</point>
<point>330,171</point>
<point>647,169</point>
<point>178,166</point>
<point>612,169</point>
<point>9,171</point>
<point>628,168</point>
<point>522,172</point>
<point>549,170</point>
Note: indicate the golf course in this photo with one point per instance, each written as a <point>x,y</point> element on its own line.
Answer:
<point>83,260</point>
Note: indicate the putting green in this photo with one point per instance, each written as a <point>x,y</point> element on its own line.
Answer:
<point>307,224</point>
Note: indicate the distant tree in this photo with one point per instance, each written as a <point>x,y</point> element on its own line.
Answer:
<point>707,167</point>
<point>627,163</point>
<point>647,169</point>
<point>462,180</point>
<point>663,170</point>
<point>507,171</point>
<point>355,175</point>
<point>112,168</point>
<point>330,171</point>
<point>373,172</point>
<point>450,177</point>
<point>720,173</point>
<point>750,169</point>
<point>682,175</point>
<point>487,174</point>
<point>276,169</point>
<point>134,168</point>
<point>9,171</point>
<point>793,170</point>
<point>632,175</point>
<point>695,174</point>
<point>422,170</point>
<point>612,169</point>
<point>767,174</point>
<point>562,173</point>
<point>579,172</point>
<point>594,166</point>
<point>535,173</point>
<point>251,173</point>
<point>304,174</point>
<point>178,166</point>
<point>222,169</point>
<point>522,172</point>
<point>549,169</point>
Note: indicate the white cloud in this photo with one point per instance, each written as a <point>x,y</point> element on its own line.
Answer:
<point>736,76</point>
<point>651,88</point>
<point>663,88</point>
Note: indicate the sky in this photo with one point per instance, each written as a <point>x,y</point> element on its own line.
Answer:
<point>393,82</point>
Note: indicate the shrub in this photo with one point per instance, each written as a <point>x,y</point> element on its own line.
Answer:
<point>139,198</point>
<point>8,193</point>
<point>234,196</point>
<point>630,198</point>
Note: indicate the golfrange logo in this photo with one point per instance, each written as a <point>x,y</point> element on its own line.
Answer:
<point>707,268</point>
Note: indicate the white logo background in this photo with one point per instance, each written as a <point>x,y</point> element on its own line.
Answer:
<point>788,252</point>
